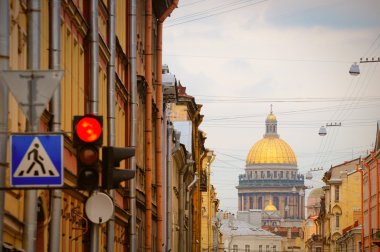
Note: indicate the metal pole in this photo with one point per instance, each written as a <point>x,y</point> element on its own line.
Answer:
<point>181,211</point>
<point>169,186</point>
<point>4,64</point>
<point>94,58</point>
<point>111,111</point>
<point>94,91</point>
<point>148,57</point>
<point>54,63</point>
<point>132,182</point>
<point>30,204</point>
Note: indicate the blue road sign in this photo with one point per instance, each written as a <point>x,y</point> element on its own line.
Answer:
<point>36,160</point>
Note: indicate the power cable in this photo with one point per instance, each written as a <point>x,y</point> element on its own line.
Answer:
<point>215,14</point>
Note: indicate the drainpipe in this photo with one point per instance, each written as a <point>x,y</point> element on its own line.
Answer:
<point>369,206</point>
<point>158,156</point>
<point>169,164</point>
<point>148,126</point>
<point>188,196</point>
<point>190,188</point>
<point>132,160</point>
<point>94,91</point>
<point>181,209</point>
<point>55,64</point>
<point>181,214</point>
<point>377,189</point>
<point>362,205</point>
<point>30,203</point>
<point>4,65</point>
<point>159,140</point>
<point>111,111</point>
<point>94,58</point>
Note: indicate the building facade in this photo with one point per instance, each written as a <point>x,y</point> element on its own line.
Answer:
<point>369,169</point>
<point>239,235</point>
<point>339,217</point>
<point>117,75</point>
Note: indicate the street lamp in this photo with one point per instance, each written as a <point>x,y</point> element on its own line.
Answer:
<point>354,69</point>
<point>323,130</point>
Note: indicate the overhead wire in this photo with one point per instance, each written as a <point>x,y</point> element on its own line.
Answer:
<point>215,14</point>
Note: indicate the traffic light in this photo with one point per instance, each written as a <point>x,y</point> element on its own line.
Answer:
<point>87,139</point>
<point>111,176</point>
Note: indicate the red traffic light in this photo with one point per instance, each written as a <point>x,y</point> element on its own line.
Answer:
<point>88,129</point>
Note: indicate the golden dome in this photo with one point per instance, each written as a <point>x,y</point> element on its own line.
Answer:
<point>271,150</point>
<point>270,207</point>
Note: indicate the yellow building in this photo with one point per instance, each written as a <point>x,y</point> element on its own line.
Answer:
<point>185,114</point>
<point>84,54</point>
<point>313,206</point>
<point>340,206</point>
<point>210,204</point>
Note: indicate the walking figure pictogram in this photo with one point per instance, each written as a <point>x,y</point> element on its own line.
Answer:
<point>36,159</point>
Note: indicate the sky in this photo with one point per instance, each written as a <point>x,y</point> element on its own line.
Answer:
<point>239,57</point>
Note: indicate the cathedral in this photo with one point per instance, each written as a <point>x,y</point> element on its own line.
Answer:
<point>271,183</point>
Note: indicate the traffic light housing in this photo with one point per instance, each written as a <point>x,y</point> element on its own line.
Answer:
<point>111,176</point>
<point>87,139</point>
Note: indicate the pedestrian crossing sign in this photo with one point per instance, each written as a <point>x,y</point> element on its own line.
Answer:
<point>36,160</point>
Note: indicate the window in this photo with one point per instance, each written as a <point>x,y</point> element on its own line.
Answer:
<point>336,193</point>
<point>268,174</point>
<point>260,248</point>
<point>267,248</point>
<point>276,202</point>
<point>281,174</point>
<point>274,248</point>
<point>287,174</point>
<point>318,249</point>
<point>255,174</point>
<point>247,248</point>
<point>360,246</point>
<point>262,174</point>
<point>337,220</point>
<point>260,203</point>
<point>275,174</point>
<point>250,202</point>
<point>235,248</point>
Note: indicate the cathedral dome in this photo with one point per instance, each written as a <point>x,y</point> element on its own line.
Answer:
<point>271,149</point>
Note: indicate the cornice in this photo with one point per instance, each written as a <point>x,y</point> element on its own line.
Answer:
<point>121,89</point>
<point>76,17</point>
<point>104,51</point>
